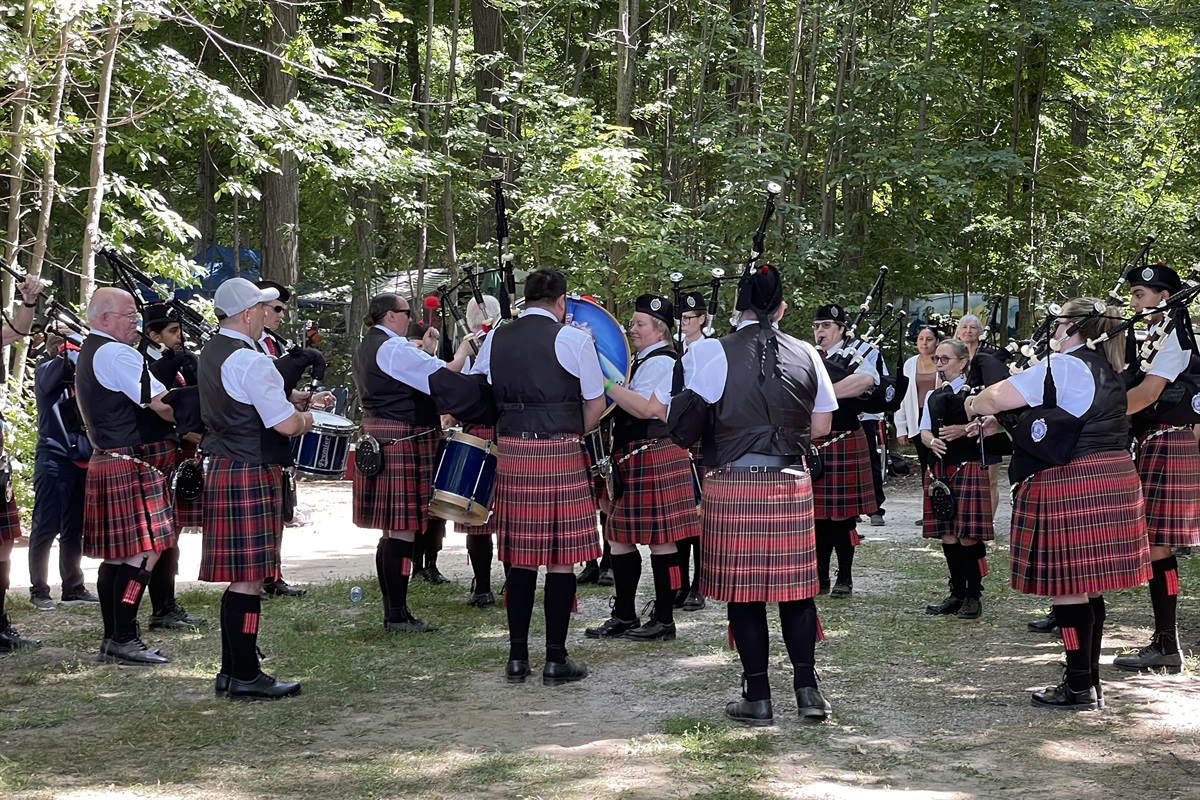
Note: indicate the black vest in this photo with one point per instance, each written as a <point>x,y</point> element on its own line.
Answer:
<point>112,419</point>
<point>947,407</point>
<point>628,428</point>
<point>382,395</point>
<point>531,389</point>
<point>235,430</point>
<point>773,417</point>
<point>845,418</point>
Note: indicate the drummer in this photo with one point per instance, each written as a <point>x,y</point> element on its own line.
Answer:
<point>655,504</point>
<point>392,375</point>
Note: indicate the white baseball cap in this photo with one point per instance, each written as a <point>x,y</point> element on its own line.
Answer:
<point>237,294</point>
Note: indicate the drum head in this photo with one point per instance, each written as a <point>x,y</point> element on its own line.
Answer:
<point>331,423</point>
<point>611,344</point>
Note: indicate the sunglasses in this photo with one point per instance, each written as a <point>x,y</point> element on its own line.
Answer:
<point>278,309</point>
<point>403,311</point>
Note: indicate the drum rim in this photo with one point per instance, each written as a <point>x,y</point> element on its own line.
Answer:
<point>321,423</point>
<point>486,445</point>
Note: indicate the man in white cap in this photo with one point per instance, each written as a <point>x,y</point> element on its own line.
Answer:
<point>249,420</point>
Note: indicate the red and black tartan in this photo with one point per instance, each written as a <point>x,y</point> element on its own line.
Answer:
<point>487,433</point>
<point>243,521</point>
<point>758,540</point>
<point>544,511</point>
<point>973,493</point>
<point>10,521</point>
<point>127,507</point>
<point>188,513</point>
<point>1080,528</point>
<point>397,499</point>
<point>1169,466</point>
<point>658,502</point>
<point>845,489</point>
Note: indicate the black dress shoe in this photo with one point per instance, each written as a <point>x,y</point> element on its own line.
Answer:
<point>751,712</point>
<point>1061,697</point>
<point>1046,624</point>
<point>131,653</point>
<point>680,598</point>
<point>481,600</point>
<point>950,605</point>
<point>264,687</point>
<point>590,574</point>
<point>613,628</point>
<point>556,673</point>
<point>281,588</point>
<point>1162,653</point>
<point>972,608</point>
<point>433,575</point>
<point>694,602</point>
<point>842,589</point>
<point>408,624</point>
<point>516,671</point>
<point>221,685</point>
<point>606,578</point>
<point>812,704</point>
<point>11,640</point>
<point>652,630</point>
<point>176,617</point>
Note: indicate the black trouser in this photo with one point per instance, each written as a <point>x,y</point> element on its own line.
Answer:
<point>58,485</point>
<point>871,429</point>
<point>429,543</point>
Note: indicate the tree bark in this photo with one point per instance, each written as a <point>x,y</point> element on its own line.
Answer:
<point>627,47</point>
<point>281,190</point>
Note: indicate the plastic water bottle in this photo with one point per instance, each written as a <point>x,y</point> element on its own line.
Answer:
<point>356,594</point>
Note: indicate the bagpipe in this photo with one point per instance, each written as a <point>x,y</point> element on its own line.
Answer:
<point>888,394</point>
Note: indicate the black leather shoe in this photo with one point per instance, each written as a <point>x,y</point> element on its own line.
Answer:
<point>264,687</point>
<point>652,630</point>
<point>11,640</point>
<point>950,605</point>
<point>281,588</point>
<point>812,704</point>
<point>516,671</point>
<point>1046,624</point>
<point>1061,697</point>
<point>823,587</point>
<point>694,602</point>
<point>606,578</point>
<point>409,624</point>
<point>481,600</point>
<point>590,574</point>
<point>680,598</point>
<point>221,685</point>
<point>751,712</point>
<point>842,589</point>
<point>131,653</point>
<point>1156,655</point>
<point>972,608</point>
<point>434,575</point>
<point>176,617</point>
<point>613,628</point>
<point>557,673</point>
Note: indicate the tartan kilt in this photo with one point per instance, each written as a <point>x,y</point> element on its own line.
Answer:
<point>846,489</point>
<point>973,492</point>
<point>188,513</point>
<point>695,451</point>
<point>127,509</point>
<point>10,521</point>
<point>758,540</point>
<point>243,520</point>
<point>1169,466</point>
<point>658,504</point>
<point>397,499</point>
<point>487,433</point>
<point>1080,528</point>
<point>545,512</point>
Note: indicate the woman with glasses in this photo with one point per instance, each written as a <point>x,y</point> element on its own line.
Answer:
<point>693,319</point>
<point>922,379</point>
<point>1078,524</point>
<point>955,450</point>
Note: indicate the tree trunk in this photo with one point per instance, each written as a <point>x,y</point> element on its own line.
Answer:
<point>627,47</point>
<point>451,254</point>
<point>280,191</point>
<point>487,31</point>
<point>91,228</point>
<point>422,243</point>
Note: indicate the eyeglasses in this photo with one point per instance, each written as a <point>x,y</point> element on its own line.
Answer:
<point>132,316</point>
<point>943,359</point>
<point>403,311</point>
<point>691,317</point>
<point>278,309</point>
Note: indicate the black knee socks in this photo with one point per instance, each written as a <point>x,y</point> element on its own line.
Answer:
<point>748,624</point>
<point>106,577</point>
<point>1076,622</point>
<point>681,547</point>
<point>798,619</point>
<point>557,602</point>
<point>3,584</point>
<point>479,551</point>
<point>667,581</point>
<point>129,585</point>
<point>239,633</point>
<point>379,570</point>
<point>1164,597</point>
<point>226,655</point>
<point>844,547</point>
<point>1099,614</point>
<point>162,581</point>
<point>518,603</point>
<point>953,554</point>
<point>824,535</point>
<point>972,566</point>
<point>627,573</point>
<point>397,567</point>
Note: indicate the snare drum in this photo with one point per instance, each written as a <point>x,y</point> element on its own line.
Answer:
<point>465,477</point>
<point>321,453</point>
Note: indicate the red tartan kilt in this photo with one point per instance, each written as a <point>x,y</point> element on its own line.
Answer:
<point>696,459</point>
<point>10,521</point>
<point>658,504</point>
<point>1080,528</point>
<point>127,510</point>
<point>971,488</point>
<point>545,512</point>
<point>243,521</point>
<point>487,433</point>
<point>188,513</point>
<point>397,499</point>
<point>1169,466</point>
<point>845,489</point>
<point>758,540</point>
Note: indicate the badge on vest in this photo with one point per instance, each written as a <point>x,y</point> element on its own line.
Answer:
<point>1196,403</point>
<point>1038,430</point>
<point>890,394</point>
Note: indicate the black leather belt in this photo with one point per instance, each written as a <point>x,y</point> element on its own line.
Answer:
<point>761,462</point>
<point>537,435</point>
